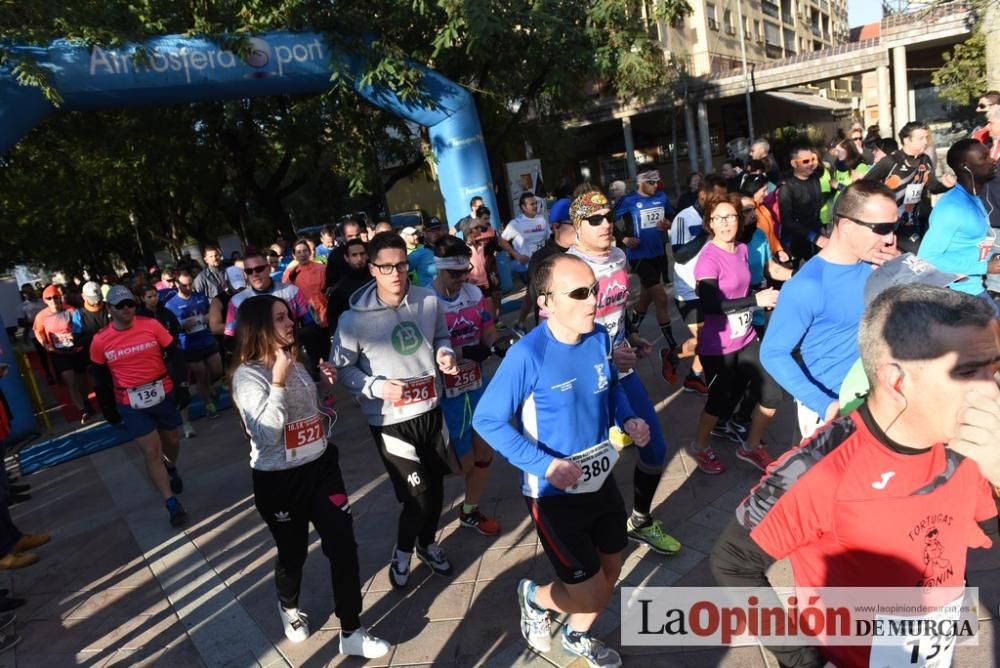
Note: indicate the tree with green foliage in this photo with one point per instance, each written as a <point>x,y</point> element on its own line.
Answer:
<point>253,166</point>
<point>962,77</point>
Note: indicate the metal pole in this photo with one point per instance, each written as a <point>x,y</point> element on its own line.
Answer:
<point>746,72</point>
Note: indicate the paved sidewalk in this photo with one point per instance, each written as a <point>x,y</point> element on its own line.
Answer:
<point>118,586</point>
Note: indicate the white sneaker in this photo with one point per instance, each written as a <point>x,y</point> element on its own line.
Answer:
<point>189,431</point>
<point>296,623</point>
<point>362,643</point>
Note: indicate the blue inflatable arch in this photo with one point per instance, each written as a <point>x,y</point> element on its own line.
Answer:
<point>180,70</point>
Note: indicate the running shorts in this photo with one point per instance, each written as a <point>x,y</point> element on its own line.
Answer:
<point>575,529</point>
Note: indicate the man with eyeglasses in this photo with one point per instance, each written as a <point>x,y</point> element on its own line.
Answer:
<point>909,173</point>
<point>548,411</point>
<point>959,238</point>
<point>139,376</point>
<point>642,217</point>
<point>388,350</point>
<point>595,245</point>
<point>810,342</point>
<point>521,237</point>
<point>259,282</point>
<point>800,199</point>
<point>55,330</point>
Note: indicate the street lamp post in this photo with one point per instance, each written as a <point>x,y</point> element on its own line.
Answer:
<point>746,73</point>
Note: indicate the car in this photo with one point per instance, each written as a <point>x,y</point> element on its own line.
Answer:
<point>412,218</point>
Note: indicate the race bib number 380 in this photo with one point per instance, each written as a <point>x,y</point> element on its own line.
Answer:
<point>596,463</point>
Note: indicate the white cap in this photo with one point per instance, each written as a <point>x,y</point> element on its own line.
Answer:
<point>408,230</point>
<point>92,290</point>
<point>235,277</point>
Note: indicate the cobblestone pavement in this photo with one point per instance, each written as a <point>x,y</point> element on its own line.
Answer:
<point>118,586</point>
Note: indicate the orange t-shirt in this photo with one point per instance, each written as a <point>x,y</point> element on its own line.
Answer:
<point>310,279</point>
<point>134,355</point>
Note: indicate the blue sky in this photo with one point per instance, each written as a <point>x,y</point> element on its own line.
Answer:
<point>860,12</point>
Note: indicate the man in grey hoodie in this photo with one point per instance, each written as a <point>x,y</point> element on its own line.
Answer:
<point>388,349</point>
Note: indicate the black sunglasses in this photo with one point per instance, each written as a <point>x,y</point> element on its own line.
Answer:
<point>128,303</point>
<point>256,270</point>
<point>881,229</point>
<point>458,273</point>
<point>579,294</point>
<point>596,220</point>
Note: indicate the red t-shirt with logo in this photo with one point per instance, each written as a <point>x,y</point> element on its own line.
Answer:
<point>849,511</point>
<point>134,355</point>
<point>55,330</point>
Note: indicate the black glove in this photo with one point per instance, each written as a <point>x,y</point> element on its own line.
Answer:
<point>183,396</point>
<point>112,415</point>
<point>477,352</point>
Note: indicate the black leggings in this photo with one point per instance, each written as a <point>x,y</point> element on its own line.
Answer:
<point>289,500</point>
<point>729,375</point>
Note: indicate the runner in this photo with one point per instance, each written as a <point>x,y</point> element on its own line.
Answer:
<point>522,236</point>
<point>808,348</point>
<point>327,243</point>
<point>686,232</point>
<point>472,337</point>
<point>482,239</point>
<point>136,390</point>
<point>211,280</point>
<point>800,199</point>
<point>422,267</point>
<point>876,499</point>
<point>31,306</point>
<point>395,379</point>
<point>642,218</point>
<point>909,173</point>
<point>351,279</point>
<point>310,278</point>
<point>54,330</point>
<point>561,389</point>
<point>960,239</point>
<point>256,268</point>
<point>296,470</point>
<point>474,205</point>
<point>201,352</point>
<point>595,246</point>
<point>91,317</point>
<point>728,344</point>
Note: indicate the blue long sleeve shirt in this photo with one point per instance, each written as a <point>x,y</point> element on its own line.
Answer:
<point>561,398</point>
<point>642,215</point>
<point>817,315</point>
<point>959,239</point>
